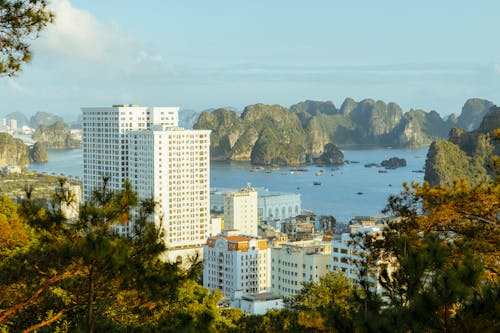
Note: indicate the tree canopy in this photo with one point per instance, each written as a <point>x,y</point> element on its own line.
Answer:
<point>20,22</point>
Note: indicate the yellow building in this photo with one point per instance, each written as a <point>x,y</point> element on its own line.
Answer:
<point>296,262</point>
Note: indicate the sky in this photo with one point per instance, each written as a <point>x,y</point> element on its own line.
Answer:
<point>431,55</point>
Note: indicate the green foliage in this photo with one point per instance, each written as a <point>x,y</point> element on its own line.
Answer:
<point>304,129</point>
<point>38,154</point>
<point>466,155</point>
<point>20,22</point>
<point>83,276</point>
<point>327,304</point>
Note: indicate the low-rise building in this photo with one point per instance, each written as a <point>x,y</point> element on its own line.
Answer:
<point>259,304</point>
<point>271,205</point>
<point>296,262</point>
<point>235,263</point>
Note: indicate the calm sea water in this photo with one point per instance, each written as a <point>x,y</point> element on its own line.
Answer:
<point>346,191</point>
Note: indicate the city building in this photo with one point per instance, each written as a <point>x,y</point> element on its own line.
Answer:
<point>259,304</point>
<point>233,263</point>
<point>162,161</point>
<point>346,256</point>
<point>240,211</point>
<point>278,205</point>
<point>296,262</point>
<point>271,204</point>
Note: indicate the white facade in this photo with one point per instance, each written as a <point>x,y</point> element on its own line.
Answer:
<point>271,205</point>
<point>234,263</point>
<point>105,142</point>
<point>279,205</point>
<point>297,262</point>
<point>344,256</point>
<point>259,304</point>
<point>161,160</point>
<point>240,211</point>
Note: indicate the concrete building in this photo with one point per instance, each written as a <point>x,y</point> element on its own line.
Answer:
<point>278,205</point>
<point>236,264</point>
<point>345,256</point>
<point>161,161</point>
<point>259,304</point>
<point>297,262</point>
<point>271,204</point>
<point>240,211</point>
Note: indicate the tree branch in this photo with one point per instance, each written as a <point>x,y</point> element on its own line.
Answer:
<point>57,316</point>
<point>47,283</point>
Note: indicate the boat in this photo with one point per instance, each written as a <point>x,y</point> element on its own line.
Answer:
<point>319,173</point>
<point>316,183</point>
<point>299,170</point>
<point>359,193</point>
<point>382,171</point>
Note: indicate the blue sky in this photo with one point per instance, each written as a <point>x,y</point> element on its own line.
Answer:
<point>203,54</point>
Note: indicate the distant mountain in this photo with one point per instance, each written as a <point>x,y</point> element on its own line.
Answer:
<point>264,134</point>
<point>20,118</point>
<point>187,118</point>
<point>44,118</point>
<point>473,112</point>
<point>259,129</point>
<point>466,154</point>
<point>368,123</point>
<point>56,136</point>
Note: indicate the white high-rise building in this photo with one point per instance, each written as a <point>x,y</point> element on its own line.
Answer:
<point>240,211</point>
<point>235,263</point>
<point>161,160</point>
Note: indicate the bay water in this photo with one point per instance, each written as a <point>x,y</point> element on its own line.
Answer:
<point>344,192</point>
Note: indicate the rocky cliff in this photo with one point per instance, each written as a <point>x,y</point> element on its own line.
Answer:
<point>56,136</point>
<point>44,118</point>
<point>267,134</point>
<point>465,155</point>
<point>15,152</point>
<point>263,134</point>
<point>473,112</point>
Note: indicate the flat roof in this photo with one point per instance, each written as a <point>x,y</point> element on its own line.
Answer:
<point>261,297</point>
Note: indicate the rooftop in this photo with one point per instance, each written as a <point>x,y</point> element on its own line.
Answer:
<point>261,297</point>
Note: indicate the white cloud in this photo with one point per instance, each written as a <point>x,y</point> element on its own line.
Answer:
<point>78,41</point>
<point>78,34</point>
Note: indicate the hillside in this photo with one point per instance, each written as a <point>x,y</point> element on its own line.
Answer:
<point>56,136</point>
<point>465,155</point>
<point>14,152</point>
<point>273,134</point>
<point>264,134</point>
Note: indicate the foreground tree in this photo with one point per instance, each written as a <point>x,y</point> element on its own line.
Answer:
<point>439,259</point>
<point>81,275</point>
<point>20,22</point>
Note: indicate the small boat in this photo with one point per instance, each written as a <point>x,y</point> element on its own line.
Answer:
<point>382,171</point>
<point>319,173</point>
<point>359,193</point>
<point>316,183</point>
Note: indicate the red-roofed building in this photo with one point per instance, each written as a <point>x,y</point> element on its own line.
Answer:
<point>233,262</point>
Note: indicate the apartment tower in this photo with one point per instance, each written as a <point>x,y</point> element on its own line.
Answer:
<point>161,160</point>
